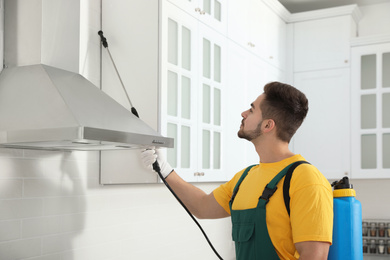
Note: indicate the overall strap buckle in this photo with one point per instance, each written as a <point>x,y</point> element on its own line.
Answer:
<point>267,193</point>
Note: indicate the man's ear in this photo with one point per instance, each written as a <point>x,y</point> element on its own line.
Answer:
<point>268,125</point>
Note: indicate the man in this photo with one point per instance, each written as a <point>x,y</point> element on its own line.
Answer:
<point>267,231</point>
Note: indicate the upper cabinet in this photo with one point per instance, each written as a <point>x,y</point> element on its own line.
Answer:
<point>370,110</point>
<point>210,12</point>
<point>257,28</point>
<point>322,71</point>
<point>193,85</point>
<point>322,39</point>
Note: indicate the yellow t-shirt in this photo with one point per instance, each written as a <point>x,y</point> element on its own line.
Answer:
<point>311,204</point>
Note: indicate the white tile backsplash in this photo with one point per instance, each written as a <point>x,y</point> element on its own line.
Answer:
<point>10,230</point>
<point>52,207</point>
<point>20,208</point>
<point>37,227</point>
<point>11,189</point>
<point>20,249</point>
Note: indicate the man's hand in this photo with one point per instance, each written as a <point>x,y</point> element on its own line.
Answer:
<point>149,156</point>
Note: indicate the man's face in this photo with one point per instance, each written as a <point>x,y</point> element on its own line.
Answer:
<point>251,121</point>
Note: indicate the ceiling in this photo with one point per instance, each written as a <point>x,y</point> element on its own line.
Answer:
<point>296,6</point>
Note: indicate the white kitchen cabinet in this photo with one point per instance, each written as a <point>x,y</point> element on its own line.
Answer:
<point>193,88</point>
<point>323,43</point>
<point>321,69</point>
<point>213,13</point>
<point>257,28</point>
<point>323,138</point>
<point>370,108</point>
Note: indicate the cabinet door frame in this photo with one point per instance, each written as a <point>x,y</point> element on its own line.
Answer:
<point>379,130</point>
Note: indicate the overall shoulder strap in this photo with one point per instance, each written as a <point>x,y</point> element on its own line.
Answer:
<point>286,184</point>
<point>235,190</point>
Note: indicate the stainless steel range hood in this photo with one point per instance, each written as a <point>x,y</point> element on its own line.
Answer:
<point>52,106</point>
<point>42,107</point>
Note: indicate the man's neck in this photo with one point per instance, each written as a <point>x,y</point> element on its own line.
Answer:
<point>270,152</point>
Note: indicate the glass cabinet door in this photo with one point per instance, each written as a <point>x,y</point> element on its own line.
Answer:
<point>371,111</point>
<point>179,88</point>
<point>212,65</point>
<point>191,94</point>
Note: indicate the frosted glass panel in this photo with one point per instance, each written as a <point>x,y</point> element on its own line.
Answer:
<point>185,97</point>
<point>172,152</point>
<point>206,149</point>
<point>186,48</point>
<point>207,6</point>
<point>368,111</point>
<point>206,104</point>
<point>386,110</point>
<point>217,150</point>
<point>217,63</point>
<point>217,10</point>
<point>386,70</point>
<point>368,149</point>
<point>172,93</point>
<point>386,151</point>
<point>185,147</point>
<point>206,58</point>
<point>172,41</point>
<point>217,106</point>
<point>368,71</point>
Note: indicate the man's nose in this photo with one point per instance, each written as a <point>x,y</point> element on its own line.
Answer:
<point>243,114</point>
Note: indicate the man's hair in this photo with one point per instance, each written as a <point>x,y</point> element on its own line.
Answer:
<point>287,106</point>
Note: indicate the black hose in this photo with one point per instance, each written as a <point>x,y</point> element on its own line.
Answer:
<point>156,167</point>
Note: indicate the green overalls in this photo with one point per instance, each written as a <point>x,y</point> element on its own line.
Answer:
<point>250,232</point>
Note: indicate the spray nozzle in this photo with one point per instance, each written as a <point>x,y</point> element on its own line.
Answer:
<point>342,184</point>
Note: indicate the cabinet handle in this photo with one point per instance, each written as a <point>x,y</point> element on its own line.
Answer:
<point>199,10</point>
<point>198,173</point>
<point>346,61</point>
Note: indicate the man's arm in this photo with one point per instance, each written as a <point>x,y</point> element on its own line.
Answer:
<point>200,204</point>
<point>312,250</point>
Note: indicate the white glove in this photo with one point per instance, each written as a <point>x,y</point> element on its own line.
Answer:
<point>149,156</point>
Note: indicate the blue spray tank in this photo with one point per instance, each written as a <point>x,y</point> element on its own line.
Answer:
<point>347,223</point>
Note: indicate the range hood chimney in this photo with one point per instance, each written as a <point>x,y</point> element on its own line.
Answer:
<point>46,104</point>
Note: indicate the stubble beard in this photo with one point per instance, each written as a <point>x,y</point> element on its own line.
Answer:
<point>251,134</point>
